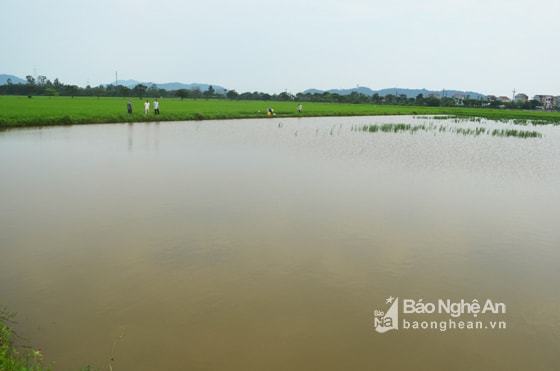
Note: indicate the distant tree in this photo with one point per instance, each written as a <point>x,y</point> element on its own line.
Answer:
<point>87,91</point>
<point>245,96</point>
<point>122,91</point>
<point>41,80</point>
<point>196,93</point>
<point>182,93</point>
<point>232,94</point>
<point>302,97</point>
<point>357,97</point>
<point>447,102</point>
<point>140,90</point>
<point>532,104</point>
<point>472,102</point>
<point>111,90</point>
<point>72,90</point>
<point>389,99</point>
<point>153,91</point>
<point>51,92</point>
<point>30,85</point>
<point>210,92</point>
<point>432,102</point>
<point>285,96</point>
<point>98,91</point>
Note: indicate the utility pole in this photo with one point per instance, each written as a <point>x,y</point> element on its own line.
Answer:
<point>116,78</point>
<point>513,99</point>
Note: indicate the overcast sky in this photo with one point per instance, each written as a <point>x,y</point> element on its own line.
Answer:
<point>487,46</point>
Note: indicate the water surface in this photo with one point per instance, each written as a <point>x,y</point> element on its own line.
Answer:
<point>268,244</point>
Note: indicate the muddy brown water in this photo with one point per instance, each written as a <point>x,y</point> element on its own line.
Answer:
<point>270,245</point>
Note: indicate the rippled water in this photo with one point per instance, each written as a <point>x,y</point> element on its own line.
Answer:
<point>268,244</point>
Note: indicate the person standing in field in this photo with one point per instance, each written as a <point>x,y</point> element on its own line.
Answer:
<point>129,107</point>
<point>299,108</point>
<point>147,107</point>
<point>156,107</point>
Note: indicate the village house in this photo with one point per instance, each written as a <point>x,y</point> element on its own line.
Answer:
<point>504,99</point>
<point>547,101</point>
<point>459,99</point>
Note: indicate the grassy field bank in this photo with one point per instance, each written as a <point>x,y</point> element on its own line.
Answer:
<point>17,111</point>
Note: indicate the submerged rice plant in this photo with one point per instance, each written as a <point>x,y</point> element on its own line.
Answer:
<point>523,122</point>
<point>469,131</point>
<point>394,128</point>
<point>399,128</point>
<point>516,133</point>
<point>544,122</point>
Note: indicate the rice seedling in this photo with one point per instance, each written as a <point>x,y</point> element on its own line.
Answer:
<point>516,133</point>
<point>477,131</point>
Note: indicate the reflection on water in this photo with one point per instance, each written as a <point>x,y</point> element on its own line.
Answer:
<point>268,244</point>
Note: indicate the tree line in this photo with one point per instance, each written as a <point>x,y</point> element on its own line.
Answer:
<point>42,86</point>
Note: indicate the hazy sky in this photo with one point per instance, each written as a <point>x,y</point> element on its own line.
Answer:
<point>487,46</point>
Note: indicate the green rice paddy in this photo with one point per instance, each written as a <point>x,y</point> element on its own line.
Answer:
<point>18,111</point>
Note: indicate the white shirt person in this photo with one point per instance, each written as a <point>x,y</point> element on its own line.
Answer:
<point>156,107</point>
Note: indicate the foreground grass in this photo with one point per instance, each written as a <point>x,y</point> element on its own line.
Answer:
<point>42,111</point>
<point>15,357</point>
<point>12,357</point>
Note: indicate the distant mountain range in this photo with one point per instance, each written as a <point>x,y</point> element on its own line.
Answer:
<point>131,84</point>
<point>410,93</point>
<point>14,79</point>
<point>170,85</point>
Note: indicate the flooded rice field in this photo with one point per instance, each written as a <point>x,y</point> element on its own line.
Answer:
<point>283,244</point>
